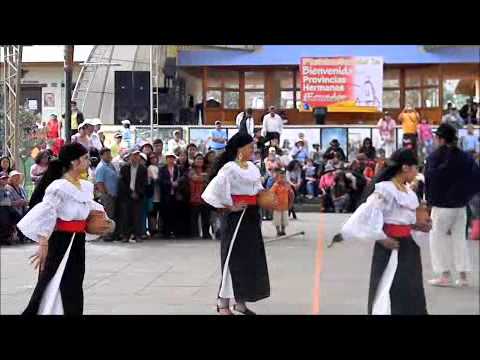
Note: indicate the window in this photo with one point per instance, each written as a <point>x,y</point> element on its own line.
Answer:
<point>232,100</point>
<point>255,99</point>
<point>422,87</point>
<point>254,80</point>
<point>282,89</point>
<point>391,89</point>
<point>255,89</point>
<point>391,99</point>
<point>223,89</point>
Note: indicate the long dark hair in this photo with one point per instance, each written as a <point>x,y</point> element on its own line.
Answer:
<point>56,169</point>
<point>237,141</point>
<point>10,165</point>
<point>394,165</point>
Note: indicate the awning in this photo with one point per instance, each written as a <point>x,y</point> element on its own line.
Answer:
<point>466,87</point>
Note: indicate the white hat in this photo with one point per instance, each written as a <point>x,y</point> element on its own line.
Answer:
<point>14,172</point>
<point>144,156</point>
<point>96,121</point>
<point>272,149</point>
<point>125,122</point>
<point>170,153</point>
<point>86,122</point>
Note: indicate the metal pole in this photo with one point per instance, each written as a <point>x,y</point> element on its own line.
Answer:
<point>68,68</point>
<point>151,94</point>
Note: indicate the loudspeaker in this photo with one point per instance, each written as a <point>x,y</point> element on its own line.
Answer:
<point>132,97</point>
<point>320,115</point>
<point>170,67</point>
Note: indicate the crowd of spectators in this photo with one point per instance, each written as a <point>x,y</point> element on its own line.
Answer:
<point>155,192</point>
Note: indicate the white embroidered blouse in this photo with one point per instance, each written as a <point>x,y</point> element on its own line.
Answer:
<point>232,180</point>
<point>62,200</point>
<point>386,205</point>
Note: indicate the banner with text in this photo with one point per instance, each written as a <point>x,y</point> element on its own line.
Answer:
<point>355,83</point>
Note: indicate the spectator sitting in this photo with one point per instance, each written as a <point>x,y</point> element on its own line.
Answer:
<point>40,167</point>
<point>340,192</point>
<point>316,155</point>
<point>299,151</point>
<point>310,178</point>
<point>334,149</point>
<point>18,196</point>
<point>368,149</point>
<point>381,161</point>
<point>327,181</point>
<point>284,196</point>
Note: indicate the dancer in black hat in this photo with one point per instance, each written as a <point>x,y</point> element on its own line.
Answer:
<point>234,189</point>
<point>62,203</point>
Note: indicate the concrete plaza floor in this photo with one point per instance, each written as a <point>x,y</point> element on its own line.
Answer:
<point>182,276</point>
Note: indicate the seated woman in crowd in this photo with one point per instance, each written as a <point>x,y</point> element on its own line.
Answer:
<point>340,192</point>
<point>310,178</point>
<point>299,151</point>
<point>327,181</point>
<point>368,149</point>
<point>18,196</point>
<point>6,165</point>
<point>198,208</point>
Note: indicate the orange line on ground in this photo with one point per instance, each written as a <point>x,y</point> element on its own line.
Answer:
<point>318,266</point>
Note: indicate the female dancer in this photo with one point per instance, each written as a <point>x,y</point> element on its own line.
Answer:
<point>58,224</point>
<point>396,282</point>
<point>243,260</point>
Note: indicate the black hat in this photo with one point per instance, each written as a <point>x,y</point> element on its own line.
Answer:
<point>71,152</point>
<point>237,141</point>
<point>447,132</point>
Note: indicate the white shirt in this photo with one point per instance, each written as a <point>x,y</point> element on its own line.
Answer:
<point>272,124</point>
<point>250,123</point>
<point>95,140</point>
<point>387,205</point>
<point>232,180</point>
<point>62,200</point>
<point>133,176</point>
<point>172,144</point>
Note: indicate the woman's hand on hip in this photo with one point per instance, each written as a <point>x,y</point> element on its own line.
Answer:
<point>39,258</point>
<point>390,243</point>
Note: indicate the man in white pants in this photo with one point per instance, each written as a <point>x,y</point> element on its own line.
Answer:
<point>452,178</point>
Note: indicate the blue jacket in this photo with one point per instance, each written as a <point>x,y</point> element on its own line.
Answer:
<point>452,178</point>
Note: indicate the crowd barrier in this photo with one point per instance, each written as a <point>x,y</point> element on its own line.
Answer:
<point>350,136</point>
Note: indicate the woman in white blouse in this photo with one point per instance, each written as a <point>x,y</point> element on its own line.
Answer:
<point>388,217</point>
<point>57,221</point>
<point>234,189</point>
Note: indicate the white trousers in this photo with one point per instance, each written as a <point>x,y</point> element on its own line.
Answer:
<point>449,252</point>
<point>280,218</point>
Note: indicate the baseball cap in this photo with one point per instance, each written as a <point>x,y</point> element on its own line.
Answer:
<point>125,122</point>
<point>14,172</point>
<point>117,135</point>
<point>447,132</point>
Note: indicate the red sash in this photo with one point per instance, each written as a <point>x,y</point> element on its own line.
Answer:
<point>397,231</point>
<point>245,199</point>
<point>74,226</point>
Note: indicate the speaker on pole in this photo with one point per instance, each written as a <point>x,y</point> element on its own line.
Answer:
<point>132,97</point>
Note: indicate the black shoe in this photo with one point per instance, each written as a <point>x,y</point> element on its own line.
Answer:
<point>336,238</point>
<point>247,311</point>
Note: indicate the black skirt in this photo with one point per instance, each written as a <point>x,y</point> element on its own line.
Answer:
<point>71,285</point>
<point>248,262</point>
<point>407,295</point>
